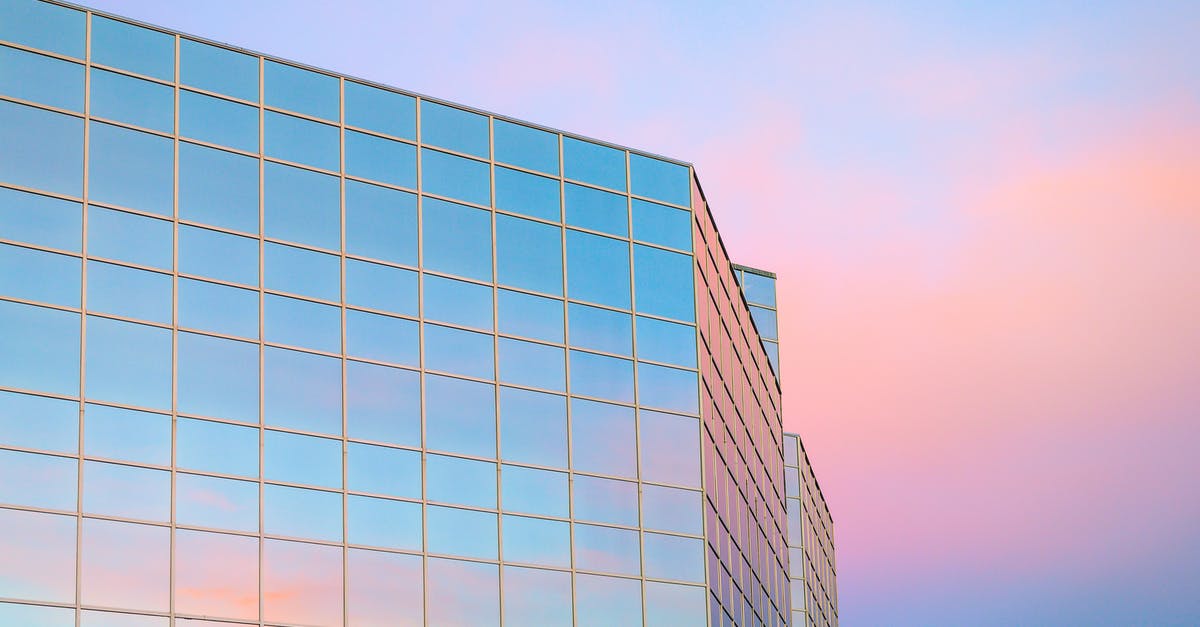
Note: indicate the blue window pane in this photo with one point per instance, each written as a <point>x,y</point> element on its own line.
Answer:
<point>43,25</point>
<point>457,302</point>
<point>452,603</point>
<point>533,365</point>
<point>301,271</point>
<point>302,391</point>
<point>303,141</point>
<point>528,194</point>
<point>36,615</point>
<point>383,404</point>
<point>383,338</point>
<point>218,188</point>
<point>461,532</point>
<point>529,255</point>
<point>133,48</point>
<point>672,604</point>
<point>380,110</point>
<point>536,541</point>
<point>606,500</point>
<point>377,286</point>
<point>381,159</point>
<point>36,275</point>
<point>42,149</point>
<point>41,79</point>
<point>667,342</point>
<point>593,163</point>
<point>765,321</point>
<point>533,491</point>
<point>759,289</point>
<point>602,601</point>
<point>533,427</point>
<point>302,206</point>
<point>597,210</point>
<point>302,513</point>
<point>772,350</point>
<point>302,323</point>
<point>129,292</point>
<point>601,376</point>
<point>530,316</point>
<point>39,422</point>
<point>383,523</point>
<point>218,377</point>
<point>460,416</point>
<point>217,308</point>
<point>128,237</point>
<point>659,224</point>
<point>458,481</point>
<point>527,147</point>
<point>606,549</point>
<point>126,491</point>
<point>304,459</point>
<point>668,388</point>
<point>218,69</point>
<point>381,223</point>
<point>219,121</point>
<point>304,91</point>
<point>216,503</point>
<point>131,169</point>
<point>216,447</point>
<point>672,509</point>
<point>35,480</point>
<point>459,352</point>
<point>458,130</point>
<point>128,363</point>
<point>603,438</point>
<point>458,239</point>
<point>660,180</point>
<point>455,177</point>
<point>663,283</point>
<point>41,220</point>
<point>383,470</point>
<point>672,557</point>
<point>598,269</point>
<point>133,101</point>
<point>600,329</point>
<point>533,596</point>
<point>218,255</point>
<point>127,435</point>
<point>41,348</point>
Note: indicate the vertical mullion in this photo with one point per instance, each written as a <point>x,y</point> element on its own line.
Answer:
<point>637,397</point>
<point>567,356</point>
<point>174,323</point>
<point>87,126</point>
<point>421,361</point>
<point>262,208</point>
<point>496,363</point>
<point>342,287</point>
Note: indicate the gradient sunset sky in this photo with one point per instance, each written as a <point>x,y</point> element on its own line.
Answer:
<point>986,224</point>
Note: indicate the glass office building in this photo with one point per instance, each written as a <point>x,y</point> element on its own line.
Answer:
<point>284,347</point>
<point>810,542</point>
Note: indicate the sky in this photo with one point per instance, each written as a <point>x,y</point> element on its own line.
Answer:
<point>985,218</point>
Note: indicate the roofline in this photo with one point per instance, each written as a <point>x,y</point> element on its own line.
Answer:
<point>800,441</point>
<point>758,271</point>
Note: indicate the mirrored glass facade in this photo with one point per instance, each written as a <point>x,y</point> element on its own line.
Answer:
<point>810,541</point>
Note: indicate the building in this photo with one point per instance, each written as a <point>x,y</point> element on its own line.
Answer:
<point>286,347</point>
<point>810,541</point>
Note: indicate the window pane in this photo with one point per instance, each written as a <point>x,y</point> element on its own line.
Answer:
<point>457,302</point>
<point>126,491</point>
<point>671,509</point>
<point>598,269</point>
<point>384,523</point>
<point>668,388</point>
<point>529,255</point>
<point>384,588</point>
<point>765,321</point>
<point>303,141</point>
<point>39,422</point>
<point>772,350</point>
<point>295,458</point>
<point>606,549</point>
<point>383,470</point>
<point>530,316</point>
<point>528,194</point>
<point>302,513</point>
<point>658,179</point>
<point>668,342</point>
<point>663,282</point>
<point>670,604</point>
<point>461,532</point>
<point>217,308</point>
<point>602,437</point>
<point>129,238</point>
<point>458,239</point>
<point>673,557</point>
<point>128,363</point>
<point>301,271</point>
<point>383,404</point>
<point>380,110</point>
<point>381,287</point>
<point>460,481</point>
<point>381,223</point>
<point>127,435</point>
<point>301,583</point>
<point>218,69</point>
<point>128,292</point>
<point>304,91</point>
<point>133,48</point>
<point>217,503</point>
<point>670,449</point>
<point>38,480</point>
<point>380,159</point>
<point>218,255</point>
<point>216,447</point>
<point>302,206</point>
<point>41,220</point>
<point>218,377</point>
<point>593,163</point>
<point>597,210</point>
<point>527,147</point>
<point>41,79</point>
<point>455,177</point>
<point>36,615</point>
<point>133,101</point>
<point>131,169</point>
<point>460,416</point>
<point>659,224</point>
<point>600,376</point>
<point>536,541</point>
<point>533,427</point>
<point>452,603</point>
<point>533,365</point>
<point>42,25</point>
<point>41,348</point>
<point>302,323</point>
<point>39,558</point>
<point>459,352</point>
<point>383,338</point>
<point>759,289</point>
<point>536,597</point>
<point>600,329</point>
<point>125,565</point>
<point>302,391</point>
<point>216,575</point>
<point>458,130</point>
<point>532,491</point>
<point>42,149</point>
<point>220,121</point>
<point>605,500</point>
<point>41,276</point>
